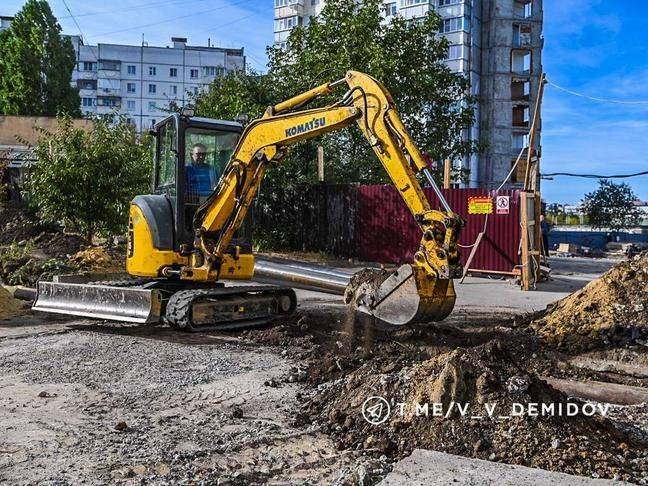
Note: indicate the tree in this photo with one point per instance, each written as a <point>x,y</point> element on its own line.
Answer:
<point>611,206</point>
<point>36,64</point>
<point>406,56</point>
<point>85,179</point>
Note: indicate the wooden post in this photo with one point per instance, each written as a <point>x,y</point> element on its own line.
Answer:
<point>320,163</point>
<point>525,261</point>
<point>447,170</point>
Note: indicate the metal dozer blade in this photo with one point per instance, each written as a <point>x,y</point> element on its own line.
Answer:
<point>128,304</point>
<point>406,296</point>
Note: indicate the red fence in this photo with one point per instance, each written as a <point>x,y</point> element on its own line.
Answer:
<point>386,231</point>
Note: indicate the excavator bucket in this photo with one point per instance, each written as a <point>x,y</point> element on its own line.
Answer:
<point>406,296</point>
<point>126,304</point>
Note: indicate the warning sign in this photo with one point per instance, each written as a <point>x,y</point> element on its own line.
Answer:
<point>480,205</point>
<point>502,204</point>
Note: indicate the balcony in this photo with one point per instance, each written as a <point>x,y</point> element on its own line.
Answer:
<point>521,35</point>
<point>289,11</point>
<point>109,101</point>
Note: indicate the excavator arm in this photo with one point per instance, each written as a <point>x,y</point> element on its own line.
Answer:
<point>422,290</point>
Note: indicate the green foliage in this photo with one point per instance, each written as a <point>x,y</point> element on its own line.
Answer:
<point>36,64</point>
<point>611,206</point>
<point>405,56</point>
<point>85,179</point>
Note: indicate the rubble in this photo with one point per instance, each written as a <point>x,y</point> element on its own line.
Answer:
<point>608,310</point>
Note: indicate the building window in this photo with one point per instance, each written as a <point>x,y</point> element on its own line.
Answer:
<point>193,73</point>
<point>110,65</point>
<point>89,66</point>
<point>454,24</point>
<point>409,3</point>
<point>87,102</point>
<point>152,71</point>
<point>129,121</point>
<point>288,23</point>
<point>130,105</point>
<point>132,69</point>
<point>443,3</point>
<point>152,122</point>
<point>152,89</point>
<point>315,2</point>
<point>523,9</point>
<point>520,90</point>
<point>521,116</point>
<point>280,3</point>
<point>87,84</point>
<point>521,61</point>
<point>174,89</point>
<point>456,52</point>
<point>195,90</point>
<point>390,9</point>
<point>130,87</point>
<point>173,72</point>
<point>521,35</point>
<point>520,140</point>
<point>152,106</point>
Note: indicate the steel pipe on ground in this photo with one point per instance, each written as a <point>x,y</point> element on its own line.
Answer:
<point>301,276</point>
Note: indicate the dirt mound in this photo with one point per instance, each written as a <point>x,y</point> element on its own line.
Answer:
<point>60,245</point>
<point>9,307</point>
<point>454,392</point>
<point>612,309</point>
<point>98,258</point>
<point>16,225</point>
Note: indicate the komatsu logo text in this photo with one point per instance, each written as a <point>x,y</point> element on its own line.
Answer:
<point>305,127</point>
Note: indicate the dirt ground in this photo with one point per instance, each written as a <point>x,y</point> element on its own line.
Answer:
<point>93,403</point>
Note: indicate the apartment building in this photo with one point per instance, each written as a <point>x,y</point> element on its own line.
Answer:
<point>142,81</point>
<point>497,44</point>
<point>5,22</point>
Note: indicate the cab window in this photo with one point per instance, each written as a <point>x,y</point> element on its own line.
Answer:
<point>166,171</point>
<point>207,153</point>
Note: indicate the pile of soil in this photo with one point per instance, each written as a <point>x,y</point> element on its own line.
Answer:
<point>9,307</point>
<point>100,259</point>
<point>348,360</point>
<point>612,309</point>
<point>16,225</point>
<point>475,378</point>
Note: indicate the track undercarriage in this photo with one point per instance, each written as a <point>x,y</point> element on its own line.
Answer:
<point>187,307</point>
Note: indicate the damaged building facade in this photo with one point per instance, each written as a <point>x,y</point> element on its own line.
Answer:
<point>497,44</point>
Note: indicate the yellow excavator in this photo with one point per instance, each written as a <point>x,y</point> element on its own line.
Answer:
<point>181,242</point>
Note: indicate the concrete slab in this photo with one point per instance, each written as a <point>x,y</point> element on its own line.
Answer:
<point>430,468</point>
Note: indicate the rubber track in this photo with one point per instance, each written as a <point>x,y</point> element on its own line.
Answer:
<point>178,309</point>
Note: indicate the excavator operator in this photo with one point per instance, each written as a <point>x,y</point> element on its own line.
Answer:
<point>201,176</point>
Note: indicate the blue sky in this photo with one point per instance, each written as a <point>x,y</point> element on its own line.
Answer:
<point>595,47</point>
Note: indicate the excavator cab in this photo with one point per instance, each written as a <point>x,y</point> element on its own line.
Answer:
<point>190,156</point>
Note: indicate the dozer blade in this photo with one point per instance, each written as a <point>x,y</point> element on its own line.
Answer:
<point>126,304</point>
<point>407,296</point>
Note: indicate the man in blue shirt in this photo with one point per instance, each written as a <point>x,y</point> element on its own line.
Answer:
<point>201,177</point>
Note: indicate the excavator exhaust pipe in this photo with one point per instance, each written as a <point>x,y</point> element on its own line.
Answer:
<point>407,296</point>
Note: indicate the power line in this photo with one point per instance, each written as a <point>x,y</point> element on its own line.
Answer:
<point>80,31</point>
<point>134,7</point>
<point>595,176</point>
<point>601,100</point>
<point>137,27</point>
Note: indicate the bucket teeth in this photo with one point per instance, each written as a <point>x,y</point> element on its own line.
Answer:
<point>406,296</point>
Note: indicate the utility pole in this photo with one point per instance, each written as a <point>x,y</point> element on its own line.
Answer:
<point>320,163</point>
<point>447,170</point>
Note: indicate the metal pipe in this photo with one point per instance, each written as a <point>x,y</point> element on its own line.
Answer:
<point>307,267</point>
<point>330,283</point>
<point>437,191</point>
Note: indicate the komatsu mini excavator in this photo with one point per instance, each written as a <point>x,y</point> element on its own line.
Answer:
<point>180,238</point>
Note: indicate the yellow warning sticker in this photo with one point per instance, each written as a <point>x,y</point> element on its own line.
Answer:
<point>480,205</point>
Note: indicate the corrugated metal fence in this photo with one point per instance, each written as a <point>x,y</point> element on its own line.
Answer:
<point>373,223</point>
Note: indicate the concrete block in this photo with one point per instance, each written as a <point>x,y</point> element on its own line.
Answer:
<point>431,468</point>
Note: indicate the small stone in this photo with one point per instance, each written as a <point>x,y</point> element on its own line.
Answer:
<point>237,413</point>
<point>555,444</point>
<point>121,425</point>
